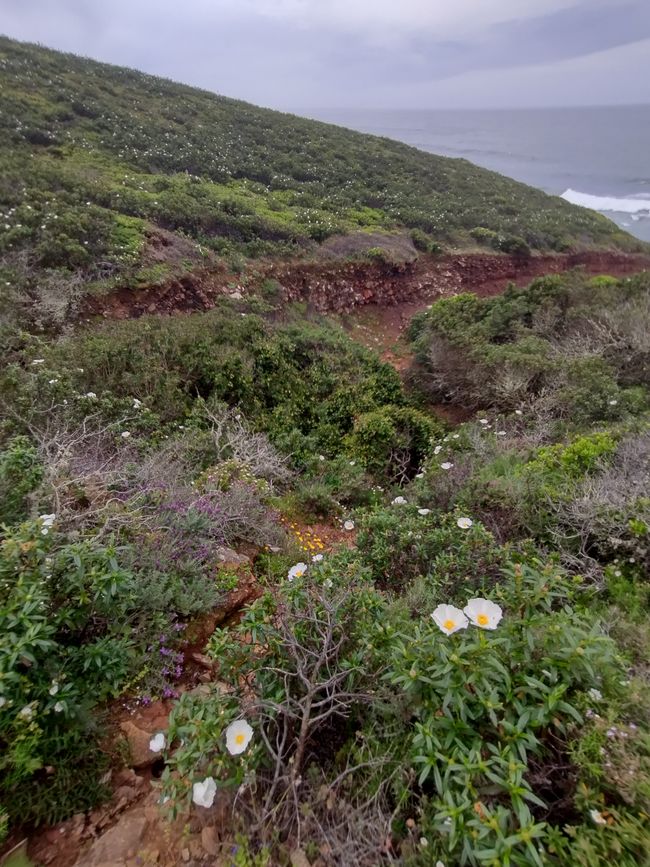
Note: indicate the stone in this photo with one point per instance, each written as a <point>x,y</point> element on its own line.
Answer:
<point>210,840</point>
<point>299,859</point>
<point>229,557</point>
<point>185,854</point>
<point>118,843</point>
<point>138,741</point>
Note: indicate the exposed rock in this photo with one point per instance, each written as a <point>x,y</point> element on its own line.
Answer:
<point>210,840</point>
<point>299,859</point>
<point>229,557</point>
<point>118,843</point>
<point>138,741</point>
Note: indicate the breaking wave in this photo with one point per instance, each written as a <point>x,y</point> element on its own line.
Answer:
<point>632,205</point>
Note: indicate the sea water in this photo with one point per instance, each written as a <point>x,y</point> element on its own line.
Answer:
<point>598,158</point>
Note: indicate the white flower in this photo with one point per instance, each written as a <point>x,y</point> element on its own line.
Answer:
<point>424,842</point>
<point>58,707</point>
<point>595,694</point>
<point>328,583</point>
<point>203,793</point>
<point>455,437</point>
<point>317,558</point>
<point>519,412</point>
<point>483,613</point>
<point>464,523</point>
<point>437,450</point>
<point>447,465</point>
<point>349,525</point>
<point>3,701</point>
<point>321,457</point>
<point>91,395</point>
<point>136,403</point>
<point>52,381</point>
<point>597,817</point>
<point>238,736</point>
<point>613,402</point>
<point>125,434</point>
<point>449,619</point>
<point>439,864</point>
<point>38,361</point>
<point>157,742</point>
<point>424,511</point>
<point>26,712</point>
<point>501,433</point>
<point>297,571</point>
<point>47,521</point>
<point>399,501</point>
<point>352,463</point>
<point>483,421</point>
<point>54,688</point>
<point>419,475</point>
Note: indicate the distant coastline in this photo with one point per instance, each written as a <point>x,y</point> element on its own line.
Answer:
<point>593,157</point>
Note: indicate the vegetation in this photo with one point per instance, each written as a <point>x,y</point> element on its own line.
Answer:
<point>378,723</point>
<point>112,177</point>
<point>458,674</point>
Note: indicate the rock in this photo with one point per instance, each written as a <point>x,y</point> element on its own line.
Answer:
<point>236,295</point>
<point>203,660</point>
<point>138,741</point>
<point>185,854</point>
<point>210,840</point>
<point>299,859</point>
<point>118,843</point>
<point>125,777</point>
<point>229,557</point>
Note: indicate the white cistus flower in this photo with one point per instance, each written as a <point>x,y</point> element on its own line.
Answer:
<point>317,558</point>
<point>297,571</point>
<point>125,434</point>
<point>238,736</point>
<point>157,742</point>
<point>483,613</point>
<point>449,619</point>
<point>91,395</point>
<point>203,793</point>
<point>47,521</point>
<point>464,523</point>
<point>595,694</point>
<point>399,501</point>
<point>447,465</point>
<point>424,511</point>
<point>597,817</point>
<point>349,525</point>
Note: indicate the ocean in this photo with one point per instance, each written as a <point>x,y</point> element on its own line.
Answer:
<point>595,157</point>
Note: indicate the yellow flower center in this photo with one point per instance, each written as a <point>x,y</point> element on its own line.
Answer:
<point>299,573</point>
<point>449,624</point>
<point>239,739</point>
<point>482,620</point>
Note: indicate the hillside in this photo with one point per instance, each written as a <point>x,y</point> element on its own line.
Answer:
<point>112,177</point>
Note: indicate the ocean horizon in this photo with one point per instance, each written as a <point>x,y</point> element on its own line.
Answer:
<point>596,157</point>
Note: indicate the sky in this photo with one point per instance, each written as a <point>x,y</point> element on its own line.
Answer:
<point>304,55</point>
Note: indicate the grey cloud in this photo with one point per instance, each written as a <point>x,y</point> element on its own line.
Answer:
<point>235,49</point>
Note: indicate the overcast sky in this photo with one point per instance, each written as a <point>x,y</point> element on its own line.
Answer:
<point>308,54</point>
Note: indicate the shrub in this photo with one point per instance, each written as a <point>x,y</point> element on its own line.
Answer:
<point>398,544</point>
<point>20,474</point>
<point>392,442</point>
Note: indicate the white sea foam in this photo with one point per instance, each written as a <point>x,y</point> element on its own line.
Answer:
<point>636,205</point>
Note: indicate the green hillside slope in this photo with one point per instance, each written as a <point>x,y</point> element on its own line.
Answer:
<point>94,157</point>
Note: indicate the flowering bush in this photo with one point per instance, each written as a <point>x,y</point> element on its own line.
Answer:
<point>398,545</point>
